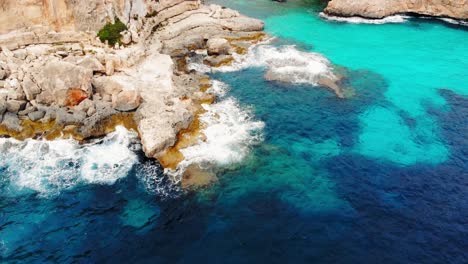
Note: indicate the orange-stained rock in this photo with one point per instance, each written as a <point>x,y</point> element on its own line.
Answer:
<point>75,97</point>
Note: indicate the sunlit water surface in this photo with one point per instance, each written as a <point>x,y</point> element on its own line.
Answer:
<point>379,177</point>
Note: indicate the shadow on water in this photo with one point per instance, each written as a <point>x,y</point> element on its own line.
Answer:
<point>419,207</point>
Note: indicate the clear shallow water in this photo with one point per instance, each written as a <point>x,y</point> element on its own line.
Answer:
<point>379,177</point>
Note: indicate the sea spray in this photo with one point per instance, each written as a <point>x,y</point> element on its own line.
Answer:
<point>361,20</point>
<point>284,64</point>
<point>49,167</point>
<point>229,134</point>
<point>151,175</point>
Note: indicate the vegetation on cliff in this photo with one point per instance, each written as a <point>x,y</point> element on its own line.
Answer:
<point>111,32</point>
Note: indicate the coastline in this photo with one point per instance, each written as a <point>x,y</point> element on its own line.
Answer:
<point>381,9</point>
<point>68,84</point>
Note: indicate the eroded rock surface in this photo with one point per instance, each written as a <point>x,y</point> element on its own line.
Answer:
<point>57,79</point>
<point>381,8</point>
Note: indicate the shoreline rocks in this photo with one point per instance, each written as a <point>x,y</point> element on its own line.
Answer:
<point>377,9</point>
<point>65,83</point>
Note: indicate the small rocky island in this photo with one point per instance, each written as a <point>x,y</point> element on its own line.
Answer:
<point>80,68</point>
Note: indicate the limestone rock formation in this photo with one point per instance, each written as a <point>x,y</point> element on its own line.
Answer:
<point>381,8</point>
<point>218,46</point>
<point>54,70</point>
<point>65,82</point>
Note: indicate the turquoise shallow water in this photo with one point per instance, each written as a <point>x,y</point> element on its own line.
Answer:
<point>379,177</point>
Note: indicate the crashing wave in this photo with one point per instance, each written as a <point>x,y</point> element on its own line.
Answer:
<point>49,167</point>
<point>285,64</point>
<point>230,132</point>
<point>455,21</point>
<point>361,20</point>
<point>150,174</point>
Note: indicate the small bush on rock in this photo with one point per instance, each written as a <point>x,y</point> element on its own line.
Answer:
<point>111,32</point>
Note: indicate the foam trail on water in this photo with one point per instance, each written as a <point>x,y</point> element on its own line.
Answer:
<point>455,21</point>
<point>229,133</point>
<point>48,167</point>
<point>361,20</point>
<point>284,64</point>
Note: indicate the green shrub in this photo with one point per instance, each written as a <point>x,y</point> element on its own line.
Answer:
<point>111,32</point>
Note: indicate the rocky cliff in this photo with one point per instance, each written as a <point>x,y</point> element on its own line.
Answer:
<point>58,79</point>
<point>381,8</point>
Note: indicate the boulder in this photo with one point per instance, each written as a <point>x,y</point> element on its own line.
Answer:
<point>15,93</point>
<point>45,98</point>
<point>66,83</point>
<point>126,37</point>
<point>20,54</point>
<point>85,105</point>
<point>126,101</point>
<point>36,115</point>
<point>12,122</point>
<point>74,97</point>
<point>63,117</point>
<point>14,106</point>
<point>30,88</point>
<point>12,84</point>
<point>91,63</point>
<point>106,86</point>
<point>109,67</point>
<point>29,108</point>
<point>218,46</point>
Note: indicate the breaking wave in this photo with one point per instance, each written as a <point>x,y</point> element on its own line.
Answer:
<point>283,64</point>
<point>229,134</point>
<point>361,20</point>
<point>49,167</point>
<point>455,21</point>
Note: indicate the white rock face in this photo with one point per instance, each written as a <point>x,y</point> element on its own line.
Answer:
<point>56,79</point>
<point>218,46</point>
<point>162,114</point>
<point>381,8</point>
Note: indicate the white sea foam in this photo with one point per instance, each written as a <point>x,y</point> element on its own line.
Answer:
<point>150,175</point>
<point>285,64</point>
<point>49,167</point>
<point>230,132</point>
<point>455,21</point>
<point>361,20</point>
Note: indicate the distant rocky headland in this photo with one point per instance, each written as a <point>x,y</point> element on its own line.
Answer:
<point>375,9</point>
<point>80,68</point>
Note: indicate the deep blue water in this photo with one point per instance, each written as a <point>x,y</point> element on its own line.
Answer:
<point>380,177</point>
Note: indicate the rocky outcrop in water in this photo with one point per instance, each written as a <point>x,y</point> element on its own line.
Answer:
<point>381,8</point>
